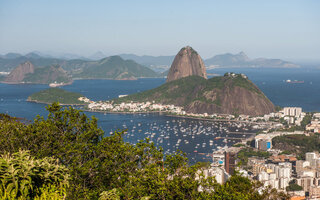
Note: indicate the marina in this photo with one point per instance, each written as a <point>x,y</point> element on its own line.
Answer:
<point>198,139</point>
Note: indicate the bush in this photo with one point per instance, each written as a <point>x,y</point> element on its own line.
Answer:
<point>24,177</point>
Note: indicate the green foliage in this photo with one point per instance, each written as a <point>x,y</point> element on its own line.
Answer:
<point>108,167</point>
<point>244,154</point>
<point>244,83</point>
<point>293,187</point>
<point>306,120</point>
<point>23,177</point>
<point>292,129</point>
<point>278,108</point>
<point>168,93</point>
<point>113,194</point>
<point>238,145</point>
<point>297,144</point>
<point>56,95</point>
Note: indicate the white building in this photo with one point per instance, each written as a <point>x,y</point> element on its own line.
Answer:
<point>292,111</point>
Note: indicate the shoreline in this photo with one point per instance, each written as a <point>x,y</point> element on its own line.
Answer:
<point>149,112</point>
<point>146,112</point>
<point>170,115</point>
<point>31,83</point>
<point>114,79</point>
<point>62,104</point>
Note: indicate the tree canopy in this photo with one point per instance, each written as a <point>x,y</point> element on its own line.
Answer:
<point>109,168</point>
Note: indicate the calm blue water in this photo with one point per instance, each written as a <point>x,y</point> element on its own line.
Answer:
<point>163,130</point>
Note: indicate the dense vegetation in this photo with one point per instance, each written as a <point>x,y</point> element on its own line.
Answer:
<point>297,144</point>
<point>24,177</point>
<point>115,67</point>
<point>109,168</point>
<point>186,90</point>
<point>293,186</point>
<point>56,95</point>
<point>169,92</point>
<point>305,121</point>
<point>245,153</point>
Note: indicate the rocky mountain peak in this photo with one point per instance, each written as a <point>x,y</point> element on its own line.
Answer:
<point>243,56</point>
<point>186,63</point>
<point>18,74</point>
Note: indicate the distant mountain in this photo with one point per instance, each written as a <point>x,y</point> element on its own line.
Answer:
<point>228,59</point>
<point>157,63</point>
<point>186,63</point>
<point>12,55</point>
<point>20,72</point>
<point>27,73</point>
<point>242,60</point>
<point>33,55</point>
<point>74,64</point>
<point>114,67</point>
<point>8,65</point>
<point>97,56</point>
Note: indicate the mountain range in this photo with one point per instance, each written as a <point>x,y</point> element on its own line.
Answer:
<point>157,63</point>
<point>242,60</point>
<point>113,67</point>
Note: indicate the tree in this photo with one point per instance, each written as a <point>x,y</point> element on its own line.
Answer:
<point>109,167</point>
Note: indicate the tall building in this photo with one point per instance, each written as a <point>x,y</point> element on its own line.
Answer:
<point>292,111</point>
<point>230,162</point>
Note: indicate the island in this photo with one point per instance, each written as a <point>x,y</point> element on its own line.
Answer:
<point>51,95</point>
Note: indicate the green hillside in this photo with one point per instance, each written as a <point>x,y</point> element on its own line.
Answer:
<point>51,95</point>
<point>115,67</point>
<point>229,94</point>
<point>190,88</point>
<point>170,92</point>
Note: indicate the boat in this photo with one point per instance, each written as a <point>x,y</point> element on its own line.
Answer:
<point>295,81</point>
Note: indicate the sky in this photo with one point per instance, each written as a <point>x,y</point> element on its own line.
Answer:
<point>286,29</point>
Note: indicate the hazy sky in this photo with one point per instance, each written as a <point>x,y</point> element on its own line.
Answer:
<point>285,29</point>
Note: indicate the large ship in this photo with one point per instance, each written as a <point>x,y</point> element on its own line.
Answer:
<point>295,81</point>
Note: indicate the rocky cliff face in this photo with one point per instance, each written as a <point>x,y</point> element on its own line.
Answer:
<point>233,98</point>
<point>47,75</point>
<point>186,63</point>
<point>18,74</point>
<point>27,73</point>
